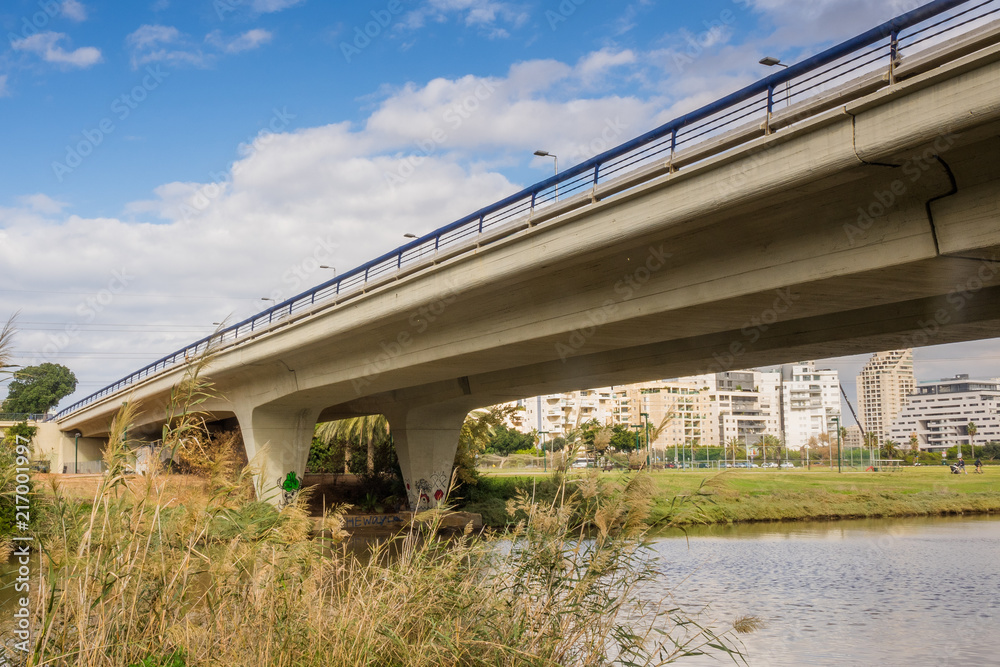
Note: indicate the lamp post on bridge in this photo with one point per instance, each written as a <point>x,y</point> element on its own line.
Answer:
<point>556,166</point>
<point>771,61</point>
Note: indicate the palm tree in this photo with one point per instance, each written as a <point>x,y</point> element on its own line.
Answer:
<point>366,429</point>
<point>890,449</point>
<point>733,442</point>
<point>774,442</point>
<point>971,430</point>
<point>7,343</point>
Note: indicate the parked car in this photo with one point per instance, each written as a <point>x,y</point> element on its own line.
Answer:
<point>787,464</point>
<point>771,464</point>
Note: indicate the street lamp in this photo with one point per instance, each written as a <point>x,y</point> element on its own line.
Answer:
<point>545,460</point>
<point>840,459</point>
<point>556,166</point>
<point>636,427</point>
<point>771,61</point>
<point>645,415</point>
<point>331,268</point>
<point>76,452</point>
<point>409,236</point>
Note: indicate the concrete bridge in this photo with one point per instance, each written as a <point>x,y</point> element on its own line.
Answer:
<point>858,216</point>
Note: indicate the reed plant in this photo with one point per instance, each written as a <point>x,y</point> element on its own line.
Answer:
<point>138,577</point>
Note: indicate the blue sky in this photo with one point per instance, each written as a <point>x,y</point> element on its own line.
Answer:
<point>168,163</point>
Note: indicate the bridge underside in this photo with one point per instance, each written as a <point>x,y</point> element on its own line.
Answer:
<point>871,228</point>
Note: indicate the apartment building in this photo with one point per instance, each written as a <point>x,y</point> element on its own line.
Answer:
<point>883,386</point>
<point>939,413</point>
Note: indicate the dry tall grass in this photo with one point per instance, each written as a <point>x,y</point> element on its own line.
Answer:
<point>226,581</point>
<point>136,578</point>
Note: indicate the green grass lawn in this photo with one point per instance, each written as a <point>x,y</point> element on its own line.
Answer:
<point>788,495</point>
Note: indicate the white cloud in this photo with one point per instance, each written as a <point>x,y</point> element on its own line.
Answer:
<point>42,203</point>
<point>485,14</point>
<point>45,45</point>
<point>151,36</point>
<point>161,43</point>
<point>597,63</point>
<point>270,6</point>
<point>74,10</point>
<point>4,91</point>
<point>248,41</point>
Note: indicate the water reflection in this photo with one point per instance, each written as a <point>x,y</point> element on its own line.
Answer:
<point>887,592</point>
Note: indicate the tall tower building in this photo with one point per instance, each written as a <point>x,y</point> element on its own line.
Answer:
<point>883,386</point>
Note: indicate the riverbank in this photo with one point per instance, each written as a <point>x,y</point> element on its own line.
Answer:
<point>697,497</point>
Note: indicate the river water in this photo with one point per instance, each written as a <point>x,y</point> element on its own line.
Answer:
<point>921,591</point>
<point>885,592</point>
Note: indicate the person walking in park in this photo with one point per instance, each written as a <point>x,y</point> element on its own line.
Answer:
<point>979,465</point>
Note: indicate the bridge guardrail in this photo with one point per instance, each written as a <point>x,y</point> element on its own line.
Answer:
<point>21,417</point>
<point>855,68</point>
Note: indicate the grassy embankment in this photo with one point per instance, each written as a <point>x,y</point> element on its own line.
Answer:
<point>757,495</point>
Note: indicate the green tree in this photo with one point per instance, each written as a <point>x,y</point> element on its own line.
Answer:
<point>366,430</point>
<point>890,449</point>
<point>971,429</point>
<point>504,441</point>
<point>35,389</point>
<point>476,434</point>
<point>622,438</point>
<point>20,429</point>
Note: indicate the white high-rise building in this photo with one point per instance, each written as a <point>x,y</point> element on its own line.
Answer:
<point>939,414</point>
<point>811,403</point>
<point>557,414</point>
<point>883,385</point>
<point>706,410</point>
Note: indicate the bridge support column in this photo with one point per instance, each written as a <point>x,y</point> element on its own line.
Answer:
<point>277,442</point>
<point>426,439</point>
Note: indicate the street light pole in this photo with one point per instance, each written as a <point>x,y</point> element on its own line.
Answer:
<point>545,459</point>
<point>771,62</point>
<point>840,458</point>
<point>556,166</point>
<point>645,416</point>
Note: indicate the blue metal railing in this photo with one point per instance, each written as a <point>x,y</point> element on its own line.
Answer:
<point>861,54</point>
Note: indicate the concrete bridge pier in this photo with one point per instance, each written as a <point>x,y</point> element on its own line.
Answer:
<point>426,438</point>
<point>277,442</point>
